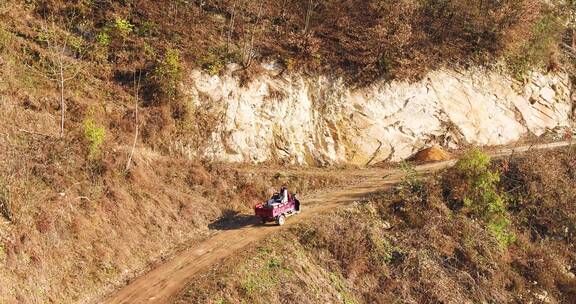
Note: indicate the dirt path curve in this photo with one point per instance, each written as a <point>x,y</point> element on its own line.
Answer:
<point>165,281</point>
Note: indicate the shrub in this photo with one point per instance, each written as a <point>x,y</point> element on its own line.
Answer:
<point>215,60</point>
<point>412,179</point>
<point>412,187</point>
<point>167,75</point>
<point>537,51</point>
<point>103,38</point>
<point>479,194</point>
<point>123,26</point>
<point>147,28</point>
<point>95,135</point>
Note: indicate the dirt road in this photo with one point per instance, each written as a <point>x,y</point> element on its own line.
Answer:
<point>165,281</point>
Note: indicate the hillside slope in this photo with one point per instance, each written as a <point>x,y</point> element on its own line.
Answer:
<point>416,244</point>
<point>102,163</point>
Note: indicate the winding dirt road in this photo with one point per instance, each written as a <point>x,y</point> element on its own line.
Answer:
<point>168,279</point>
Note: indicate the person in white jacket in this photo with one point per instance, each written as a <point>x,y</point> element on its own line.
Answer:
<point>279,198</point>
<point>284,195</point>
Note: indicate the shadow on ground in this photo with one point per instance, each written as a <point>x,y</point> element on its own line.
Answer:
<point>232,220</point>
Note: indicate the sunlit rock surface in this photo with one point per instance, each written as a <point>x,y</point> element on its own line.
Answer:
<point>287,118</point>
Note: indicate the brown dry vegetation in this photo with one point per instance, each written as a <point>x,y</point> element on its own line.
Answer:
<point>73,220</point>
<point>77,227</point>
<point>360,40</point>
<point>409,245</point>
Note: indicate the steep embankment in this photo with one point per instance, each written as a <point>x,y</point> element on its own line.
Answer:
<point>416,244</point>
<point>162,283</point>
<point>294,118</point>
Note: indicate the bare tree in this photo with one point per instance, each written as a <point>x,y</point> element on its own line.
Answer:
<point>136,122</point>
<point>312,4</point>
<point>283,9</point>
<point>61,68</point>
<point>231,25</point>
<point>248,50</point>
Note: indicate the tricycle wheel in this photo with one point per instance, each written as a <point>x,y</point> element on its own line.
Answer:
<point>263,220</point>
<point>281,220</point>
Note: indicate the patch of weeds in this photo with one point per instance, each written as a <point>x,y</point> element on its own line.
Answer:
<point>147,28</point>
<point>412,187</point>
<point>499,227</point>
<point>95,135</point>
<point>343,292</point>
<point>5,39</point>
<point>412,179</point>
<point>381,249</point>
<point>216,58</point>
<point>77,45</point>
<point>103,38</point>
<point>259,283</point>
<point>149,50</point>
<point>264,250</point>
<point>258,280</point>
<point>274,263</point>
<point>123,26</point>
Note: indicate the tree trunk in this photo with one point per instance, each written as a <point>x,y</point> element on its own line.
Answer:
<point>62,101</point>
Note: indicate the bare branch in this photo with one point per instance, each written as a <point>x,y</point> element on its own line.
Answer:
<point>136,102</point>
<point>35,133</point>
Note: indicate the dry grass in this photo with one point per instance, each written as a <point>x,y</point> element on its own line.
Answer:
<point>79,224</point>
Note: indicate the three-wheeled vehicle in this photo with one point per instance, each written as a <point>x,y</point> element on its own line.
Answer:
<point>278,209</point>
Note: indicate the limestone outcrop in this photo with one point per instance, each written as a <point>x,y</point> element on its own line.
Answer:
<point>300,119</point>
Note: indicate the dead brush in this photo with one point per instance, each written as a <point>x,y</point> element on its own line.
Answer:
<point>5,208</point>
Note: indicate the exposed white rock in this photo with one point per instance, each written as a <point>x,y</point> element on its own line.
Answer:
<point>318,120</point>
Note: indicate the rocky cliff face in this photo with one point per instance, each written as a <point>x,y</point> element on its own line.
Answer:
<point>318,120</point>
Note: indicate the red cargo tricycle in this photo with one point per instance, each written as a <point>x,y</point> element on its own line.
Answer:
<point>277,210</point>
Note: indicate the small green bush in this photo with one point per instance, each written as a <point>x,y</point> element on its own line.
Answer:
<point>123,26</point>
<point>95,135</point>
<point>412,178</point>
<point>149,50</point>
<point>215,60</point>
<point>412,187</point>
<point>147,28</point>
<point>103,38</point>
<point>481,197</point>
<point>167,75</point>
